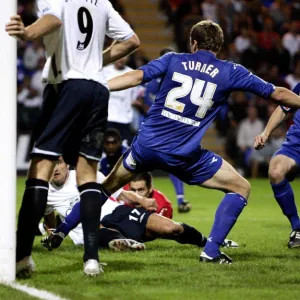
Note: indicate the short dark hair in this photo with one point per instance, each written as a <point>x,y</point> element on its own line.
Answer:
<point>113,132</point>
<point>146,176</point>
<point>209,36</point>
<point>166,50</point>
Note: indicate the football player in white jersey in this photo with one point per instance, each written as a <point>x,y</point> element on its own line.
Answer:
<point>120,107</point>
<point>63,195</point>
<point>74,114</point>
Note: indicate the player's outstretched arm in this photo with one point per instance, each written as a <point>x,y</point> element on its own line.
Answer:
<point>118,50</point>
<point>125,81</point>
<point>276,118</point>
<point>132,198</point>
<point>43,26</point>
<point>285,97</point>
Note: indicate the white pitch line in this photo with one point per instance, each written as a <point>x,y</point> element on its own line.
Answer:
<point>41,294</point>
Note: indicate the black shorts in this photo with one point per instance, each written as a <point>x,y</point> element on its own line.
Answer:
<point>131,222</point>
<point>73,120</point>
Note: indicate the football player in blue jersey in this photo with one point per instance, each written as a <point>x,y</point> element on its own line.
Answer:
<point>151,89</point>
<point>113,150</point>
<point>284,165</point>
<point>194,87</point>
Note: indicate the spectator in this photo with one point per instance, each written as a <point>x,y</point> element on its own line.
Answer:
<point>243,41</point>
<point>268,37</point>
<point>293,78</point>
<point>210,10</point>
<point>33,52</point>
<point>247,131</point>
<point>291,40</point>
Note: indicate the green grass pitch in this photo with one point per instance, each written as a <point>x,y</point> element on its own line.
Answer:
<point>263,267</point>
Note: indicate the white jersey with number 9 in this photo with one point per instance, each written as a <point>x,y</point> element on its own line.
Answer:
<point>75,50</point>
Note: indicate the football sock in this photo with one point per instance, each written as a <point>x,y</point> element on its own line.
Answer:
<point>226,215</point>
<point>179,188</point>
<point>105,235</point>
<point>192,236</point>
<point>91,201</point>
<point>31,212</point>
<point>284,196</point>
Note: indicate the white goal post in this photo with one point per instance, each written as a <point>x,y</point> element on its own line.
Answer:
<point>8,67</point>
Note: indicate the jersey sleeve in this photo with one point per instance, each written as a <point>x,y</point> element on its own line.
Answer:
<point>156,68</point>
<point>164,205</point>
<point>116,27</point>
<point>243,80</point>
<point>50,7</point>
<point>296,90</point>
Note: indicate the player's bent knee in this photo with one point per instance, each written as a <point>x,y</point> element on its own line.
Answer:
<point>276,174</point>
<point>243,188</point>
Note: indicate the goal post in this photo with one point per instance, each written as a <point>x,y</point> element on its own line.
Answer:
<point>8,67</point>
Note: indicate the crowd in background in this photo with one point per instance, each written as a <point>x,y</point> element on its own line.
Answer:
<point>263,35</point>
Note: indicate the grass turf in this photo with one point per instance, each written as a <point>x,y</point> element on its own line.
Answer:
<point>263,266</point>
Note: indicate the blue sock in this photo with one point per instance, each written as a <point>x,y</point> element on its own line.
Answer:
<point>179,189</point>
<point>70,221</point>
<point>284,195</point>
<point>226,215</point>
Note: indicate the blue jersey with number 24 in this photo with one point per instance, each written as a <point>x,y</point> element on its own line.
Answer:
<point>193,89</point>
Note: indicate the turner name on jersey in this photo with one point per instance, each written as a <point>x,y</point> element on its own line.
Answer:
<point>85,23</point>
<point>62,199</point>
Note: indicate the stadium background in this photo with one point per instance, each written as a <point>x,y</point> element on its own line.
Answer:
<point>263,266</point>
<point>263,35</point>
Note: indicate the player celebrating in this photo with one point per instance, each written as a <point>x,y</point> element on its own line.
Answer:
<point>193,89</point>
<point>74,114</point>
<point>283,166</point>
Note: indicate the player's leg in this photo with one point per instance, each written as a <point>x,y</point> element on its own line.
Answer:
<point>183,206</point>
<point>118,177</point>
<point>90,205</point>
<point>164,228</point>
<point>237,191</point>
<point>34,201</point>
<point>160,227</point>
<point>33,204</point>
<point>281,166</point>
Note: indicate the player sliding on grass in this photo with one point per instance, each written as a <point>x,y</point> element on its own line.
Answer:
<point>123,227</point>
<point>284,165</point>
<point>193,89</point>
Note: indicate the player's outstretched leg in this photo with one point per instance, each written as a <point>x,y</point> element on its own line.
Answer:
<point>54,240</point>
<point>280,167</point>
<point>31,211</point>
<point>160,227</point>
<point>237,191</point>
<point>183,205</point>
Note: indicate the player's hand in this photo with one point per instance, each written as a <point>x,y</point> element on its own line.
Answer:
<point>260,141</point>
<point>16,27</point>
<point>149,204</point>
